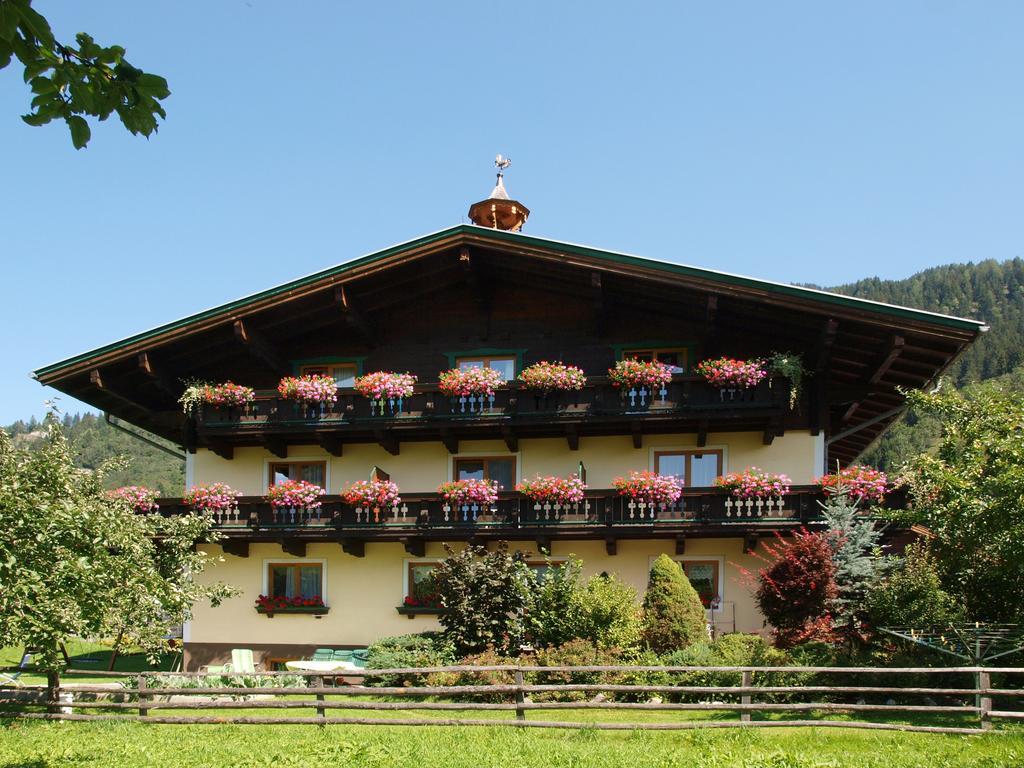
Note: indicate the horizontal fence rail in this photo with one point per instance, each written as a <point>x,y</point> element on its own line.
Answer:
<point>521,689</point>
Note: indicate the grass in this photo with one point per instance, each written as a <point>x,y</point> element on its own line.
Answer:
<point>89,655</point>
<point>112,745</point>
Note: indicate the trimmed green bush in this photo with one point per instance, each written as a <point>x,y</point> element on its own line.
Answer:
<point>912,595</point>
<point>673,616</point>
<point>427,649</point>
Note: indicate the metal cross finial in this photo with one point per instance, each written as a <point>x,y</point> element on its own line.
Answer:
<point>502,163</point>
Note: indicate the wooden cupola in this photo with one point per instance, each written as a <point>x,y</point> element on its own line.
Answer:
<point>499,211</point>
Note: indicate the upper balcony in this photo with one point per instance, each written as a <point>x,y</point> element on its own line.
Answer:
<point>687,403</point>
<point>603,514</point>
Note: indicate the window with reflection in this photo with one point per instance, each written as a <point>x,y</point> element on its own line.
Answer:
<point>500,468</point>
<point>673,356</point>
<point>505,364</point>
<point>311,471</point>
<point>696,468</point>
<point>344,374</point>
<point>295,579</point>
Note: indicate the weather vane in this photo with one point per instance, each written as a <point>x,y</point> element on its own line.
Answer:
<point>502,163</point>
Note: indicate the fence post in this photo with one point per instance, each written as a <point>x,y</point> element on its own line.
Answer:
<point>53,692</point>
<point>520,698</point>
<point>143,696</point>
<point>321,712</point>
<point>985,702</point>
<point>748,680</point>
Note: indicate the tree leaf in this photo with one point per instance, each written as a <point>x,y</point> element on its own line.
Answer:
<point>80,132</point>
<point>8,22</point>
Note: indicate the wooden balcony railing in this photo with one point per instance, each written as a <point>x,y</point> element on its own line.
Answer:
<point>600,509</point>
<point>598,398</point>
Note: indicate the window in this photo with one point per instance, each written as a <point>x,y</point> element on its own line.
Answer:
<point>344,373</point>
<point>420,585</point>
<point>504,363</point>
<point>295,579</point>
<point>543,567</point>
<point>697,469</point>
<point>310,471</point>
<point>674,356</point>
<point>703,575</point>
<point>500,468</point>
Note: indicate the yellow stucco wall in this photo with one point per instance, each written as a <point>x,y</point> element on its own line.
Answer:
<point>362,592</point>
<point>420,467</point>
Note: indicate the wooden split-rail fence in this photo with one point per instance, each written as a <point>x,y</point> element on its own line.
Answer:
<point>162,697</point>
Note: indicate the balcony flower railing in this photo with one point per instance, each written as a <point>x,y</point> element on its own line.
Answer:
<point>599,397</point>
<point>602,508</point>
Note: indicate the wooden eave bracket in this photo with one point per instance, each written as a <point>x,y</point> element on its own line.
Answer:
<point>450,441</point>
<point>162,382</point>
<point>386,441</point>
<point>235,547</point>
<point>572,437</point>
<point>681,544</point>
<point>354,317</point>
<point>222,449</point>
<point>415,546</point>
<point>276,446</point>
<point>260,348</point>
<point>750,543</point>
<point>331,443</point>
<point>511,441</point>
<point>611,545</point>
<point>354,547</point>
<point>294,547</point>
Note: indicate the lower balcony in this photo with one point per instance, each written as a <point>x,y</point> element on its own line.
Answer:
<point>603,514</point>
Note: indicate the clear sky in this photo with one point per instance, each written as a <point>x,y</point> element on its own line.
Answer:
<point>805,142</point>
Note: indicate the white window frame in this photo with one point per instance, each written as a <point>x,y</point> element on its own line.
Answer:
<point>720,559</point>
<point>322,562</point>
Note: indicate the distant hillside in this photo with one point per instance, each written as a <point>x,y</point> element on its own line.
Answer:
<point>990,291</point>
<point>95,441</point>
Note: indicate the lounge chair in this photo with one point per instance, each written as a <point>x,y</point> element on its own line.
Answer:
<point>323,654</point>
<point>12,678</point>
<point>242,663</point>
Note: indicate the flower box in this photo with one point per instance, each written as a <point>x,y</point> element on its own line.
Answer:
<point>555,490</point>
<point>299,494</point>
<point>316,611</point>
<point>371,495</point>
<point>212,498</point>
<point>412,611</point>
<point>649,488</point>
<point>753,483</point>
<point>141,499</point>
<point>544,378</point>
<point>638,381</point>
<point>858,482</point>
<point>462,493</point>
<point>386,389</point>
<point>732,377</point>
<point>316,389</point>
<point>470,389</point>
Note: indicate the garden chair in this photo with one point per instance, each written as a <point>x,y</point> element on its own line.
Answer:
<point>360,657</point>
<point>341,656</point>
<point>323,654</point>
<point>242,661</point>
<point>23,665</point>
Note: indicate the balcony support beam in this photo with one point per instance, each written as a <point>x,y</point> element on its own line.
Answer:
<point>387,442</point>
<point>543,545</point>
<point>511,441</point>
<point>294,547</point>
<point>702,433</point>
<point>450,441</point>
<point>222,449</point>
<point>638,435</point>
<point>750,543</point>
<point>572,437</point>
<point>276,446</point>
<point>415,547</point>
<point>681,544</point>
<point>354,547</point>
<point>260,348</point>
<point>332,444</point>
<point>236,548</point>
<point>611,545</point>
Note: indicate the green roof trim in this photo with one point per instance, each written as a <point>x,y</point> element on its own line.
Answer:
<point>710,275</point>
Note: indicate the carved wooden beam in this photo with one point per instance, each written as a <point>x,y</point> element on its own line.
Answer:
<point>354,316</point>
<point>96,379</point>
<point>276,446</point>
<point>331,443</point>
<point>221,448</point>
<point>480,286</point>
<point>543,545</point>
<point>749,543</point>
<point>702,433</point>
<point>415,547</point>
<point>681,544</point>
<point>878,368</point>
<point>260,348</point>
<point>294,547</point>
<point>450,441</point>
<point>354,547</point>
<point>235,547</point>
<point>572,437</point>
<point>511,441</point>
<point>386,441</point>
<point>638,435</point>
<point>162,382</point>
<point>611,545</point>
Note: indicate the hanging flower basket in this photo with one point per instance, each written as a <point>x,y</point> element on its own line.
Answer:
<point>212,497</point>
<point>545,378</point>
<point>295,493</point>
<point>649,487</point>
<point>366,495</point>
<point>730,374</point>
<point>753,483</point>
<point>470,388</point>
<point>860,483</point>
<point>555,490</point>
<point>314,389</point>
<point>461,493</point>
<point>386,389</point>
<point>140,499</point>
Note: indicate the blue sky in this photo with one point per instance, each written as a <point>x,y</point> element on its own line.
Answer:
<point>806,142</point>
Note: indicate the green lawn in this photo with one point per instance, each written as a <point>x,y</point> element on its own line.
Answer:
<point>112,745</point>
<point>89,656</point>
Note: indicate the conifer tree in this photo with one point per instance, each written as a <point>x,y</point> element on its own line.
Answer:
<point>673,613</point>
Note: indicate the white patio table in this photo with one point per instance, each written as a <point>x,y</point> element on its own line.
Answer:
<point>327,667</point>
